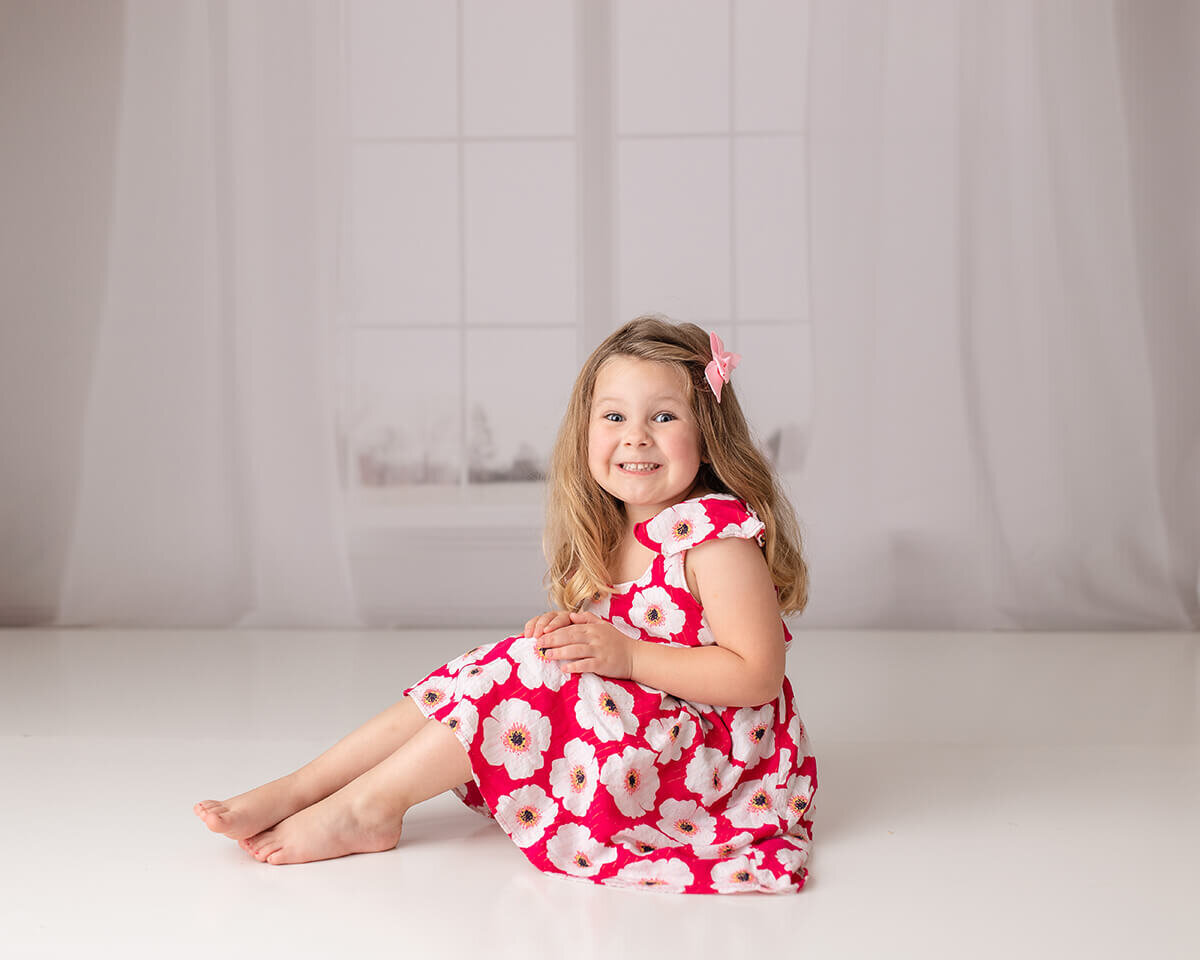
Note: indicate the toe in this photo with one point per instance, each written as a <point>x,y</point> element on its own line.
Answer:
<point>260,842</point>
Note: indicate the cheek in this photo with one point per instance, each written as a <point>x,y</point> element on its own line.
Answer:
<point>687,449</point>
<point>598,452</point>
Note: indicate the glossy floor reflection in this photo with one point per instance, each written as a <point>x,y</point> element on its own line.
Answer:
<point>965,834</point>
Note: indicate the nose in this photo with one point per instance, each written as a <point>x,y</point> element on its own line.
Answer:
<point>636,434</point>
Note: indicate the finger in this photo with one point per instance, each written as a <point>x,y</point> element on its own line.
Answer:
<point>567,633</point>
<point>571,651</point>
<point>553,639</point>
<point>587,665</point>
<point>528,631</point>
<point>583,617</point>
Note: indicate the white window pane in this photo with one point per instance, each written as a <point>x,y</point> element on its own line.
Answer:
<point>518,67</point>
<point>404,234</point>
<point>518,382</point>
<point>770,64</point>
<point>403,67</point>
<point>774,386</point>
<point>403,416</point>
<point>521,233</point>
<point>772,254</point>
<point>672,62</point>
<point>674,228</point>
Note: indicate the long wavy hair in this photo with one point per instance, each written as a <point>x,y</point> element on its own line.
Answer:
<point>585,523</point>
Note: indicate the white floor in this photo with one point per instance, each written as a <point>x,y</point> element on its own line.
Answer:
<point>981,795</point>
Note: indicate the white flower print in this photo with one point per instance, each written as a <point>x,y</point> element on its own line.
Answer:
<point>433,692</point>
<point>626,628</point>
<point>739,874</point>
<point>525,814</point>
<point>776,884</point>
<point>704,634</point>
<point>671,876</point>
<point>674,572</point>
<point>735,846</point>
<point>680,527</point>
<point>797,795</point>
<point>670,736</point>
<point>700,709</point>
<point>753,733</point>
<point>754,804</point>
<point>574,850</point>
<point>470,656</point>
<point>631,777</point>
<point>604,708</point>
<point>793,860</point>
<point>643,839</point>
<point>687,821</point>
<point>533,669</point>
<point>516,736</point>
<point>574,775</point>
<point>710,775</point>
<point>654,611</point>
<point>600,607</point>
<point>464,721</point>
<point>476,679</point>
<point>748,529</point>
<point>799,736</point>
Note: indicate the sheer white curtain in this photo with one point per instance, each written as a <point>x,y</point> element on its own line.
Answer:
<point>1006,424</point>
<point>1001,436</point>
<point>208,492</point>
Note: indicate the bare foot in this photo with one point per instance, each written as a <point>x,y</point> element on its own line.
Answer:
<point>250,813</point>
<point>334,827</point>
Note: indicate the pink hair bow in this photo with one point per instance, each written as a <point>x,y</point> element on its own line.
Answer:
<point>721,365</point>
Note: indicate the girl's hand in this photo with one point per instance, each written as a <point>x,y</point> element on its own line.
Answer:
<point>546,622</point>
<point>591,645</point>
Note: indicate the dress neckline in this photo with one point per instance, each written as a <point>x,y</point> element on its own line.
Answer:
<point>642,524</point>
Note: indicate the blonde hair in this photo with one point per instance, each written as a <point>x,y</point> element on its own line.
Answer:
<point>585,523</point>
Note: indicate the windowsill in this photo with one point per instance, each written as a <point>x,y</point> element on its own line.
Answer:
<point>486,505</point>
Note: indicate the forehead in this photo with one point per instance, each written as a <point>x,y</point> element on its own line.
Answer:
<point>623,377</point>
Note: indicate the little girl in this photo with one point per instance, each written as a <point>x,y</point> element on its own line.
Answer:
<point>643,733</point>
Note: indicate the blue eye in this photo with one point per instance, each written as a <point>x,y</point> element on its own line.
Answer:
<point>669,416</point>
<point>609,417</point>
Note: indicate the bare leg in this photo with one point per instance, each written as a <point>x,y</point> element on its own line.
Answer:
<point>366,815</point>
<point>250,813</point>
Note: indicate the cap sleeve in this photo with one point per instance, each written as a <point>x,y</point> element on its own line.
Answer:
<point>692,522</point>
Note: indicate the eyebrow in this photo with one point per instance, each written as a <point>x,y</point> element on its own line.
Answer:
<point>661,396</point>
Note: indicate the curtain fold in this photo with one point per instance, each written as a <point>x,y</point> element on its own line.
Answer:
<point>985,451</point>
<point>208,492</point>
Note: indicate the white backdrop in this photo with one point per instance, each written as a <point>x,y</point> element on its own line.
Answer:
<point>1005,425</point>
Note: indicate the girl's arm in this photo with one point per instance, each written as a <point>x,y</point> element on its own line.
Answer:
<point>744,668</point>
<point>746,665</point>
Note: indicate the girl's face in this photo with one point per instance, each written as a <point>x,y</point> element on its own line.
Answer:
<point>643,440</point>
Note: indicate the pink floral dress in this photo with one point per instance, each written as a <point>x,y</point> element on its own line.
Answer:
<point>615,782</point>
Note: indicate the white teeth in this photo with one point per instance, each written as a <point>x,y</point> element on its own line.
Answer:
<point>639,467</point>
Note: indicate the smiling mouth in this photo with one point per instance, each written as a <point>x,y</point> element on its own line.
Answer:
<point>639,467</point>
